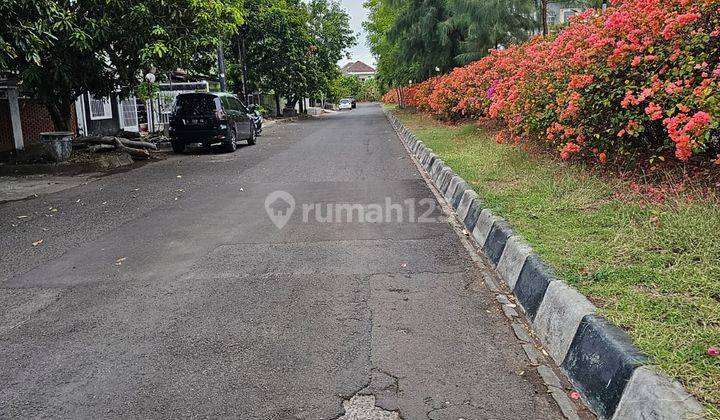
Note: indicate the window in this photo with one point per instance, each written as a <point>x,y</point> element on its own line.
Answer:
<point>127,110</point>
<point>552,17</point>
<point>193,104</point>
<point>237,105</point>
<point>100,108</point>
<point>567,14</point>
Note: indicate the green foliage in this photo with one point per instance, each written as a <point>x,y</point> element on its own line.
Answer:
<point>331,35</point>
<point>345,86</point>
<point>293,47</point>
<point>146,91</point>
<point>278,45</point>
<point>370,91</point>
<point>417,39</point>
<point>351,86</point>
<point>424,42</point>
<point>62,49</point>
<point>28,28</point>
<point>487,24</point>
<point>391,72</point>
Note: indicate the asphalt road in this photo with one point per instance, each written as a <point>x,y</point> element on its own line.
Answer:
<point>168,291</point>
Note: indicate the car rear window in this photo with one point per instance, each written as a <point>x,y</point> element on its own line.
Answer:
<point>196,104</point>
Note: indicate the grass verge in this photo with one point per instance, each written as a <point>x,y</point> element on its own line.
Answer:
<point>651,267</point>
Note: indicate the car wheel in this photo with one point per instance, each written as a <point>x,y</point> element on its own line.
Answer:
<point>253,137</point>
<point>178,146</point>
<point>231,145</point>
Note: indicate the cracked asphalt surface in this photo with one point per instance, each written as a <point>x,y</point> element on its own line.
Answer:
<point>166,291</point>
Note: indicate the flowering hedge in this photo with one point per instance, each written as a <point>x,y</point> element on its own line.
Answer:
<point>643,78</point>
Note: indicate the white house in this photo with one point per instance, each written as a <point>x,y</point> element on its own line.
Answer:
<point>360,70</point>
<point>559,14</point>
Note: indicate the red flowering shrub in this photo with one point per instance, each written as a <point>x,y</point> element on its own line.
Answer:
<point>390,97</point>
<point>641,78</point>
<point>406,93</point>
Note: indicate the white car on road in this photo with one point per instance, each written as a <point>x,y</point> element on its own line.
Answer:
<point>345,104</point>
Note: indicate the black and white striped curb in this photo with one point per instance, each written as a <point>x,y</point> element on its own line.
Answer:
<point>612,376</point>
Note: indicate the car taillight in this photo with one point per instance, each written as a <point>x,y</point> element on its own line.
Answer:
<point>220,115</point>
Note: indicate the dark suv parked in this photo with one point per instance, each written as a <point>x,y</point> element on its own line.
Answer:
<point>210,119</point>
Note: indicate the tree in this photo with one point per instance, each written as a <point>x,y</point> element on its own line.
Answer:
<point>28,29</point>
<point>330,30</point>
<point>103,47</point>
<point>423,42</point>
<point>487,24</point>
<point>417,39</point>
<point>370,91</point>
<point>345,86</point>
<point>278,46</point>
<point>293,46</point>
<point>382,14</point>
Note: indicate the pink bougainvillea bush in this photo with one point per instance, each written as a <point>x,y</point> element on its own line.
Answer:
<point>641,79</point>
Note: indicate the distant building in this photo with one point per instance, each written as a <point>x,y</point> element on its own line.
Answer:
<point>360,70</point>
<point>559,14</point>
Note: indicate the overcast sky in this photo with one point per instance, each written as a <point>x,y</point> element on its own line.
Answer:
<point>357,15</point>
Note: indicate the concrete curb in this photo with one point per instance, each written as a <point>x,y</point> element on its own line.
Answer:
<point>612,376</point>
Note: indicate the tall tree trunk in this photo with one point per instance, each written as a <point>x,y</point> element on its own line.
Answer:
<point>59,111</point>
<point>237,76</point>
<point>544,11</point>
<point>291,102</point>
<point>401,97</point>
<point>278,111</point>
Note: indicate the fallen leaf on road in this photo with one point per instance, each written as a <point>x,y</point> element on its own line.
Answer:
<point>179,176</point>
<point>38,242</point>
<point>78,200</point>
<point>23,217</point>
<point>575,395</point>
<point>121,259</point>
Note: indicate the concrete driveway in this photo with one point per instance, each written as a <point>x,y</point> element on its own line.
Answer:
<point>168,291</point>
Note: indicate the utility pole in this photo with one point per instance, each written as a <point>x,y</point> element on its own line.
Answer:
<point>242,59</point>
<point>221,68</point>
